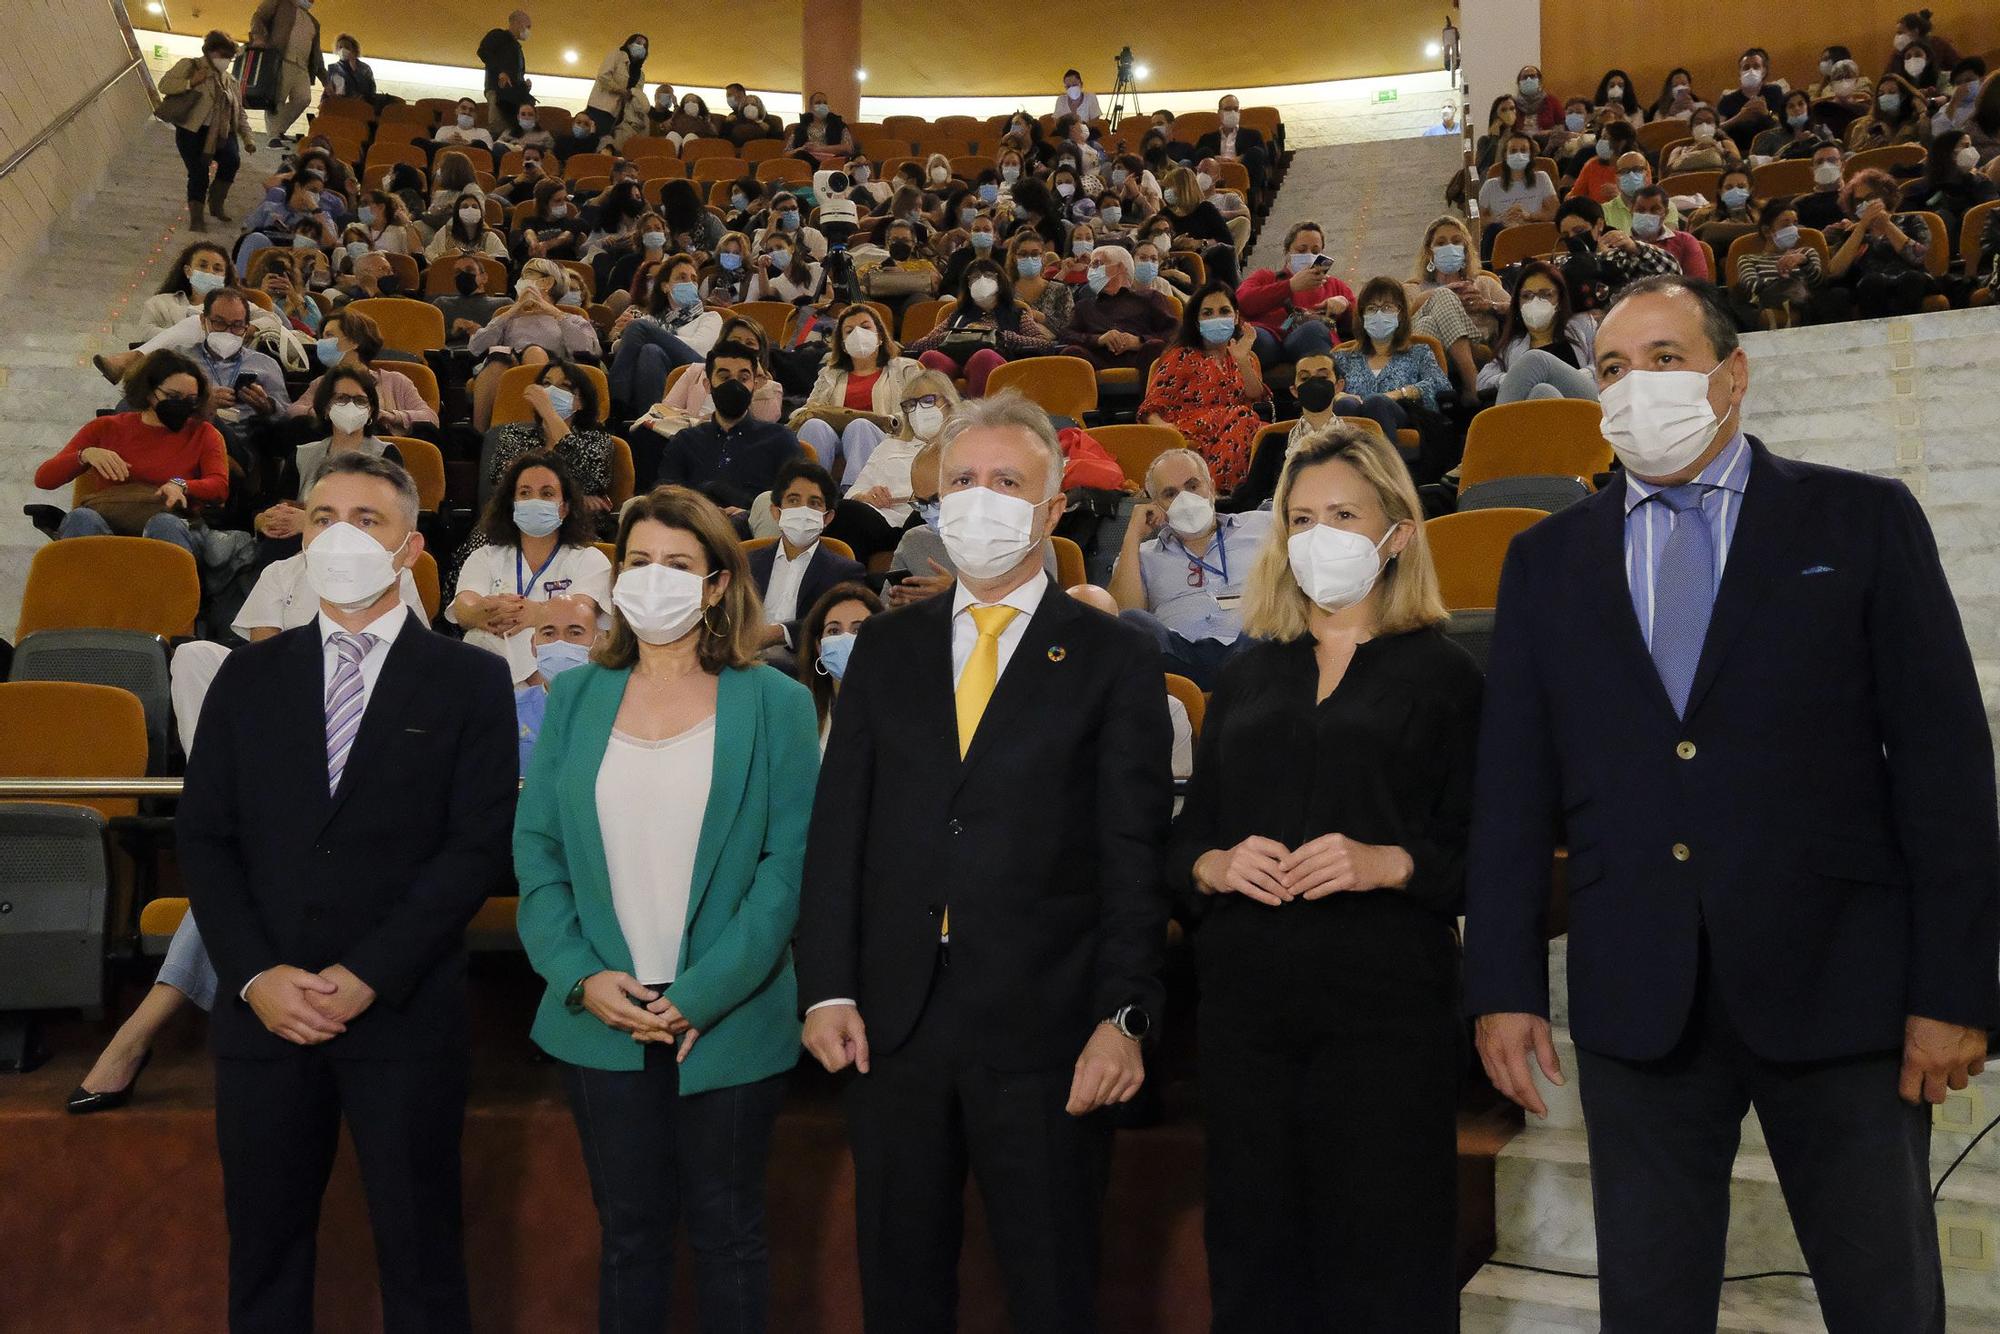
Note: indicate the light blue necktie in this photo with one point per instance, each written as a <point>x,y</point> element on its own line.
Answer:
<point>345,703</point>
<point>1683,592</point>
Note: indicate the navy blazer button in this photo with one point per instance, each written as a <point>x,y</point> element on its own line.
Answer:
<point>1685,750</point>
<point>1681,852</point>
<point>955,827</point>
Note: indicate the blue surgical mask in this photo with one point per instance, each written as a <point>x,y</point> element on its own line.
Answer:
<point>1574,122</point>
<point>1529,87</point>
<point>1028,266</point>
<point>1144,272</point>
<point>1519,161</point>
<point>1736,196</point>
<point>929,511</point>
<point>1119,176</point>
<point>368,215</point>
<point>685,295</point>
<point>1798,121</point>
<point>1448,258</point>
<point>1785,237</point>
<point>537,518</point>
<point>1646,225</point>
<point>1381,325</point>
<point>558,656</point>
<point>304,243</point>
<point>1082,247</point>
<point>581,129</point>
<point>328,350</point>
<point>1890,102</point>
<point>1010,174</point>
<point>789,221</point>
<point>561,401</point>
<point>1603,150</point>
<point>738,200</point>
<point>1218,329</point>
<point>780,259</point>
<point>965,217</point>
<point>356,249</point>
<point>982,241</point>
<point>1300,262</point>
<point>989,193</point>
<point>1112,215</point>
<point>201,284</point>
<point>1630,181</point>
<point>1097,277</point>
<point>834,651</point>
<point>654,240</point>
<point>730,261</point>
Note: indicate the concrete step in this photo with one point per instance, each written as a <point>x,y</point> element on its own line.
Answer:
<point>1500,1300</point>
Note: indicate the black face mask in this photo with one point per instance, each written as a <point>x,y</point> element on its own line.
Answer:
<point>388,284</point>
<point>899,250</point>
<point>174,413</point>
<point>732,398</point>
<point>1314,394</point>
<point>468,283</point>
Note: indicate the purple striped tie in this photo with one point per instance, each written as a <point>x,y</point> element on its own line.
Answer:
<point>345,702</point>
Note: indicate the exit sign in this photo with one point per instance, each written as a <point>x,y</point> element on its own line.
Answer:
<point>1385,95</point>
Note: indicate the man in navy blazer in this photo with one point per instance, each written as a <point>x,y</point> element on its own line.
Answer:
<point>348,806</point>
<point>793,572</point>
<point>1736,687</point>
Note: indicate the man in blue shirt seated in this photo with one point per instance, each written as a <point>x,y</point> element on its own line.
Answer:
<point>562,641</point>
<point>1182,568</point>
<point>732,457</point>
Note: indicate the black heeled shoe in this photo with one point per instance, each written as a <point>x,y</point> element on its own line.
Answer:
<point>83,1102</point>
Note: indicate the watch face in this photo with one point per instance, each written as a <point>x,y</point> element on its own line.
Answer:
<point>1134,1022</point>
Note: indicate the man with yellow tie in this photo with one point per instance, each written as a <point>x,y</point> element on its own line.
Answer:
<point>983,918</point>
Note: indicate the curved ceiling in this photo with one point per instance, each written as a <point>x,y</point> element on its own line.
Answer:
<point>908,49</point>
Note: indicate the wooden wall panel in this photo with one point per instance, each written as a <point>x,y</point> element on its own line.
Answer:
<point>51,53</point>
<point>1581,39</point>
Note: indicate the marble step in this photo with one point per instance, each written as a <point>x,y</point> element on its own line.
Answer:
<point>1543,1207</point>
<point>1499,1300</point>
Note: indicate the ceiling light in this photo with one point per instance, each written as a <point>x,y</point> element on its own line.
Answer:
<point>861,76</point>
<point>1142,71</point>
<point>569,57</point>
<point>1434,50</point>
<point>155,7</point>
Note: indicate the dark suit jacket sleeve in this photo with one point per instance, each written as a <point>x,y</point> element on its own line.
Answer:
<point>827,951</point>
<point>826,570</point>
<point>1514,814</point>
<point>1940,756</point>
<point>1196,830</point>
<point>1437,851</point>
<point>208,837</point>
<point>673,462</point>
<point>473,859</point>
<point>1135,795</point>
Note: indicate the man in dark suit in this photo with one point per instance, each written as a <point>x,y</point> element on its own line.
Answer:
<point>983,899</point>
<point>347,809</point>
<point>1737,686</point>
<point>1233,140</point>
<point>793,571</point>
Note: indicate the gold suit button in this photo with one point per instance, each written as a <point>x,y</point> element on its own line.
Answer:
<point>1681,852</point>
<point>1685,750</point>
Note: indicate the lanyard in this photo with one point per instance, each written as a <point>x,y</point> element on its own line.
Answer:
<point>1196,577</point>
<point>521,586</point>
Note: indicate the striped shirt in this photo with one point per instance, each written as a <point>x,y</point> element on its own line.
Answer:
<point>1647,526</point>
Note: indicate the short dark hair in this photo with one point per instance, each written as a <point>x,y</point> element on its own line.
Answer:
<point>799,468</point>
<point>361,330</point>
<point>1391,291</point>
<point>361,375</point>
<point>1587,209</point>
<point>1774,209</point>
<point>1717,323</point>
<point>497,523</point>
<point>159,367</point>
<point>354,463</point>
<point>1189,334</point>
<point>224,294</point>
<point>731,351</point>
<point>219,42</point>
<point>1649,192</point>
<point>581,387</point>
<point>347,39</point>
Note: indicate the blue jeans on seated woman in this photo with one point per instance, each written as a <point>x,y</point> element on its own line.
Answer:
<point>164,527</point>
<point>1534,373</point>
<point>645,355</point>
<point>1307,338</point>
<point>1384,411</point>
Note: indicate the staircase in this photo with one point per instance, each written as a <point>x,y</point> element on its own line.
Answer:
<point>1374,200</point>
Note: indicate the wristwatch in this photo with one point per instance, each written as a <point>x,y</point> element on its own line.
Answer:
<point>574,1001</point>
<point>1132,1021</point>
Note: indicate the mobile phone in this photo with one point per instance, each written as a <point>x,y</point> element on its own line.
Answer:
<point>244,381</point>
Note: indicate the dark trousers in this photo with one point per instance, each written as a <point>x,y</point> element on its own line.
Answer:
<point>863,528</point>
<point>1384,411</point>
<point>1853,1160</point>
<point>226,158</point>
<point>1331,1208</point>
<point>655,1157</point>
<point>918,1120</point>
<point>277,1124</point>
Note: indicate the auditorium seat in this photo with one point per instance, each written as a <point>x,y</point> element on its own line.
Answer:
<point>129,660</point>
<point>69,729</point>
<point>409,325</point>
<point>1135,446</point>
<point>430,591</point>
<point>1070,571</point>
<point>771,316</point>
<point>1554,437</point>
<point>510,403</point>
<point>1547,494</point>
<point>750,544</point>
<point>114,583</point>
<point>1192,699</point>
<point>1468,550</point>
<point>1062,386</point>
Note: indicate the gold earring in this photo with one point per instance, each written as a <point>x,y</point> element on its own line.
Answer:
<point>711,627</point>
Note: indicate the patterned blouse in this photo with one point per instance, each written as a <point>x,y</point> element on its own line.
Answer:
<point>1413,366</point>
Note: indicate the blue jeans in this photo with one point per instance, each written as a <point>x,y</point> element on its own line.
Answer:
<point>163,527</point>
<point>1309,338</point>
<point>1199,660</point>
<point>645,355</point>
<point>1384,411</point>
<point>187,968</point>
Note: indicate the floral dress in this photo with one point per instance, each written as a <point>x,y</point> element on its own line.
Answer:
<point>1201,396</point>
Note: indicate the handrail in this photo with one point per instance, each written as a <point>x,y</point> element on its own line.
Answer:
<point>61,122</point>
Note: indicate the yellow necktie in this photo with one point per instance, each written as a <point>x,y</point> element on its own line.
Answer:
<point>975,689</point>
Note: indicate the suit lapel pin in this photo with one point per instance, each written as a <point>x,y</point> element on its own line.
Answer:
<point>1057,653</point>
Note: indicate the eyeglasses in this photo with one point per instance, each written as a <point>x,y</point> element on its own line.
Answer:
<point>927,401</point>
<point>351,400</point>
<point>235,327</point>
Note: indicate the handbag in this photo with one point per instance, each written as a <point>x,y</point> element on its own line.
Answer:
<point>888,280</point>
<point>177,107</point>
<point>258,68</point>
<point>126,506</point>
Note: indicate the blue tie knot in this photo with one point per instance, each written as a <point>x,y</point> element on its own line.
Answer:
<point>1680,499</point>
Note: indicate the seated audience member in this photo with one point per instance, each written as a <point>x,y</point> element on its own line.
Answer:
<point>1313,385</point>
<point>1297,312</point>
<point>786,220</point>
<point>466,234</point>
<point>854,401</point>
<point>1545,350</point>
<point>246,388</point>
<point>985,329</point>
<point>1961,100</point>
<point>521,186</point>
<point>1733,214</point>
<point>366,272</point>
<point>1652,221</point>
<point>1746,108</point>
<point>1182,569</point>
<point>1541,110</point>
<point>921,566</point>
<point>385,223</point>
<point>1711,150</point>
<point>568,422</point>
<point>820,136</point>
<point>463,127</point>
<point>1820,208</point>
<point>1098,599</point>
<point>1233,142</point>
<point>689,122</point>
<point>1782,280</point>
<point>749,122</point>
<point>1030,261</point>
<point>675,329</point>
<point>1387,374</point>
<point>733,455</point>
<point>1634,174</point>
<point>1503,119</point>
<point>1147,275</point>
<point>300,205</point>
<point>688,400</point>
<point>884,482</point>
<point>527,133</point>
<point>469,306</point>
<point>537,552</point>
<point>1841,80</point>
<point>904,255</point>
<point>1198,225</point>
<point>729,284</point>
<point>203,267</point>
<point>1206,385</point>
<point>1229,202</point>
<point>829,629</point>
<point>1952,184</point>
<point>556,230</point>
<point>345,417</point>
<point>351,338</point>
<point>1518,194</point>
<point>152,465</point>
<point>783,270</point>
<point>583,137</point>
<point>793,572</point>
<point>290,300</point>
<point>1597,262</point>
<point>1915,30</point>
<point>563,640</point>
<point>1878,254</point>
<point>1794,135</point>
<point>1900,115</point>
<point>453,177</point>
<point>1455,300</point>
<point>1677,100</point>
<point>691,228</point>
<point>1118,325</point>
<point>1597,179</point>
<point>530,330</point>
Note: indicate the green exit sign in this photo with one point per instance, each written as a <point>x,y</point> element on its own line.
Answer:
<point>159,52</point>
<point>1385,95</point>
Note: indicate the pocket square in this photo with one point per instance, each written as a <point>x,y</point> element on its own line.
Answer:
<point>1816,569</point>
<point>418,731</point>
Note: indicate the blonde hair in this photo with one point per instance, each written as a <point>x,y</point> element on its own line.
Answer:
<point>730,628</point>
<point>1423,273</point>
<point>552,276</point>
<point>926,382</point>
<point>1187,190</point>
<point>1275,607</point>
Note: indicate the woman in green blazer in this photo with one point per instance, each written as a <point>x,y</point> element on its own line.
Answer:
<point>659,844</point>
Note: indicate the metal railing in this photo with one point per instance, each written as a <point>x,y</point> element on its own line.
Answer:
<point>86,789</point>
<point>61,122</point>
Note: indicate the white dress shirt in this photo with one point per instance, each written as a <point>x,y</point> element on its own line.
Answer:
<point>283,600</point>
<point>781,595</point>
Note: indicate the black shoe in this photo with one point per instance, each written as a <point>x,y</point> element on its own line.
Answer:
<point>279,142</point>
<point>83,1102</point>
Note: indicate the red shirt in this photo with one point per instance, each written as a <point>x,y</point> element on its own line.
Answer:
<point>154,454</point>
<point>1266,298</point>
<point>1596,180</point>
<point>861,391</point>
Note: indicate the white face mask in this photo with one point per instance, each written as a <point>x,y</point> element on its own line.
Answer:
<point>225,345</point>
<point>985,533</point>
<point>1967,157</point>
<point>1335,568</point>
<point>1538,313</point>
<point>1190,515</point>
<point>659,602</point>
<point>801,525</point>
<point>348,416</point>
<point>983,290</point>
<point>861,341</point>
<point>925,423</point>
<point>348,568</point>
<point>1826,173</point>
<point>1658,422</point>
